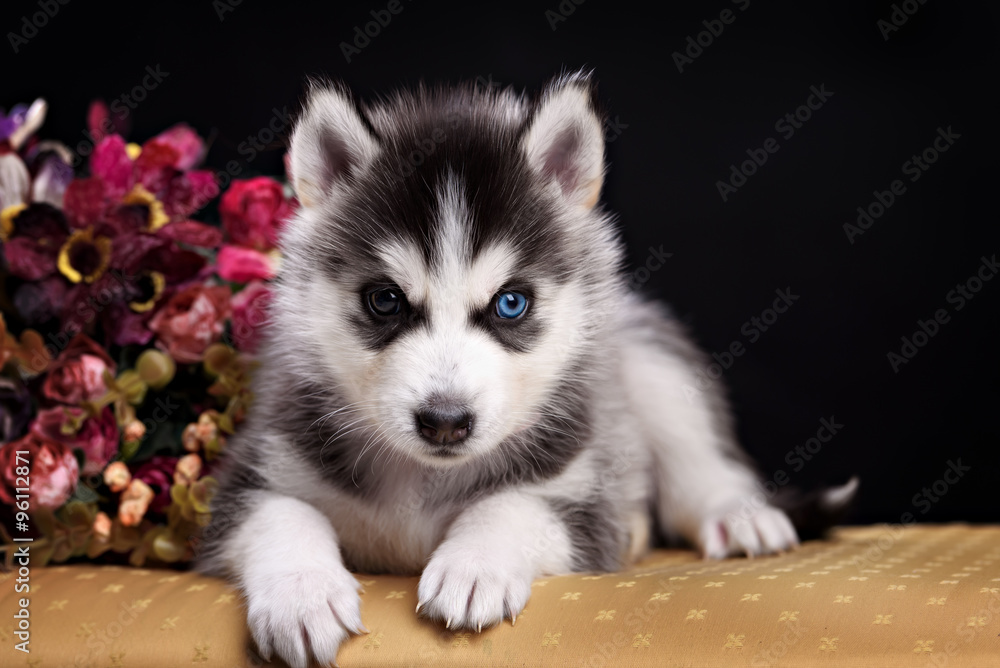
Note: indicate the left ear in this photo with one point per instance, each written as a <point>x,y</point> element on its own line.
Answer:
<point>565,140</point>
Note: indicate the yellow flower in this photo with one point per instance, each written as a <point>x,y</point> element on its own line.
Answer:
<point>7,217</point>
<point>158,283</point>
<point>84,257</point>
<point>139,196</point>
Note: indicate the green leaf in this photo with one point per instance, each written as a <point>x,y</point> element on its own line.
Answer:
<point>129,448</point>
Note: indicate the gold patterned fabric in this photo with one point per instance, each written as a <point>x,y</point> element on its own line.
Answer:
<point>870,596</point>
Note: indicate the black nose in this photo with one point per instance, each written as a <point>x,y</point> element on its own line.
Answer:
<point>444,426</point>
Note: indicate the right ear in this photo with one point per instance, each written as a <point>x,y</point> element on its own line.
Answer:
<point>330,144</point>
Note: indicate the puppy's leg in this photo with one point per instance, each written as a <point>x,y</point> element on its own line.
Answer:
<point>301,600</point>
<point>483,570</point>
<point>705,487</point>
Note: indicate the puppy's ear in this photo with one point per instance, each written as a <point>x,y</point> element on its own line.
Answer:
<point>565,140</point>
<point>331,143</point>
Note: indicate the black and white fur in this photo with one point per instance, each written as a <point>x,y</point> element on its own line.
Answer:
<point>582,446</point>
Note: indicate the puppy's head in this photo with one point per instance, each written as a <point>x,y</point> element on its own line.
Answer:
<point>449,267</point>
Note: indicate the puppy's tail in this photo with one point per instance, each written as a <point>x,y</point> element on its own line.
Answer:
<point>814,512</point>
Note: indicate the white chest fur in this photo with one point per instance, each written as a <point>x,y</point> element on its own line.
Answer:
<point>396,530</point>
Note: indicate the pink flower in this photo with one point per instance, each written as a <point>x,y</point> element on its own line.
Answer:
<point>134,503</point>
<point>53,471</point>
<point>97,436</point>
<point>253,212</point>
<point>77,375</point>
<point>134,431</point>
<point>158,178</point>
<point>117,476</point>
<point>100,123</point>
<point>185,142</point>
<point>250,315</point>
<point>240,265</point>
<point>102,526</point>
<point>188,469</point>
<point>192,320</point>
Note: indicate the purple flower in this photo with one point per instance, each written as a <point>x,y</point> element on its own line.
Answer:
<point>12,121</point>
<point>41,301</point>
<point>22,122</point>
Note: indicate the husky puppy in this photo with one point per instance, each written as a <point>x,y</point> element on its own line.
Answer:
<point>457,381</point>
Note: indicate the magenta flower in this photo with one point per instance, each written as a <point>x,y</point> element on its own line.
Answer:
<point>97,436</point>
<point>253,212</point>
<point>242,265</point>
<point>250,315</point>
<point>158,473</point>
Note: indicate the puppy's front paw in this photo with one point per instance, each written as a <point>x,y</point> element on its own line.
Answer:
<point>298,615</point>
<point>766,531</point>
<point>468,588</point>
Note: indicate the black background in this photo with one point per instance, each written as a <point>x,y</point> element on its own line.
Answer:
<point>679,134</point>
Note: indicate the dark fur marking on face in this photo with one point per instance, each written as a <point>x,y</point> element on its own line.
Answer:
<point>396,200</point>
<point>596,536</point>
<point>377,331</point>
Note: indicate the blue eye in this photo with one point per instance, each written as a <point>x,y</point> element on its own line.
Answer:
<point>385,301</point>
<point>511,305</point>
